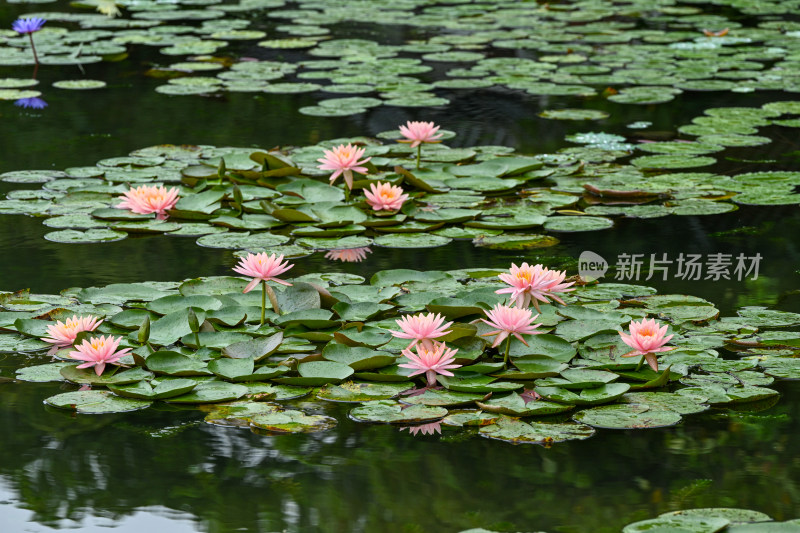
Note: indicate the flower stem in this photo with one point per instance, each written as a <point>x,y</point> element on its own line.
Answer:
<point>641,362</point>
<point>263,300</point>
<point>508,349</point>
<point>346,194</point>
<point>197,339</point>
<point>35,57</point>
<point>419,154</point>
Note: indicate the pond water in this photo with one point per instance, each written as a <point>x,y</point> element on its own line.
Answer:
<point>165,469</point>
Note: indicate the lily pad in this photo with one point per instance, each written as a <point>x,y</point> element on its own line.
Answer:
<point>627,416</point>
<point>211,392</point>
<point>353,391</point>
<point>88,376</point>
<point>574,114</point>
<point>514,405</point>
<point>678,524</point>
<point>144,390</point>
<point>518,432</point>
<point>292,421</point>
<point>391,412</point>
<point>95,402</point>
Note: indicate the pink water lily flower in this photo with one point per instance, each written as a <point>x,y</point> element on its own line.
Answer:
<point>426,429</point>
<point>262,267</point>
<point>534,284</point>
<point>508,320</point>
<point>385,196</point>
<point>344,160</point>
<point>63,334</point>
<point>417,133</point>
<point>422,329</point>
<point>434,359</point>
<point>647,339</point>
<point>147,199</point>
<point>98,352</point>
<point>349,255</point>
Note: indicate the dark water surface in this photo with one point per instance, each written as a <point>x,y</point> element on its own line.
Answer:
<point>164,470</point>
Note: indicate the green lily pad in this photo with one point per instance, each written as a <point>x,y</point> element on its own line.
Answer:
<point>95,402</point>
<point>551,346</point>
<point>574,114</point>
<point>515,241</point>
<point>732,514</point>
<point>269,391</point>
<point>627,416</point>
<point>781,367</point>
<point>79,84</point>
<point>211,392</point>
<point>172,327</point>
<point>292,421</point>
<point>144,390</point>
<point>318,373</point>
<point>470,418</point>
<point>353,391</point>
<point>415,240</point>
<point>391,412</point>
<point>174,363</point>
<point>594,396</point>
<point>672,161</point>
<point>577,223</point>
<point>237,413</point>
<point>534,367</point>
<point>177,302</point>
<point>579,378</point>
<point>518,432</point>
<point>357,358</point>
<point>477,384</point>
<point>72,236</point>
<point>42,373</point>
<point>443,398</point>
<point>514,405</point>
<point>256,349</point>
<point>678,524</point>
<point>88,376</point>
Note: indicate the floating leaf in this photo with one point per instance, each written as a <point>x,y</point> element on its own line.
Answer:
<point>95,402</point>
<point>292,421</point>
<point>353,391</point>
<point>547,433</point>
<point>627,416</point>
<point>211,392</point>
<point>391,412</point>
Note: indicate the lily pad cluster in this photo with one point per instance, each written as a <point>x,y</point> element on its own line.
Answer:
<point>278,200</point>
<point>578,48</point>
<point>200,343</point>
<point>706,520</point>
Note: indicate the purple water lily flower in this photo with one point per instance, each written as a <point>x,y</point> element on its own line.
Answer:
<point>29,26</point>
<point>33,103</point>
<point>25,25</point>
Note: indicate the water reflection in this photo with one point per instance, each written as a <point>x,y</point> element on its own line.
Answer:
<point>31,103</point>
<point>80,468</point>
<point>351,255</point>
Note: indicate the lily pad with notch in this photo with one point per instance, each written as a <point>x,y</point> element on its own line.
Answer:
<point>518,432</point>
<point>392,412</point>
<point>95,402</point>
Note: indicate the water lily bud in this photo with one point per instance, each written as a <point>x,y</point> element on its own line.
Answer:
<point>144,331</point>
<point>222,169</point>
<point>268,207</point>
<point>238,199</point>
<point>194,324</point>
